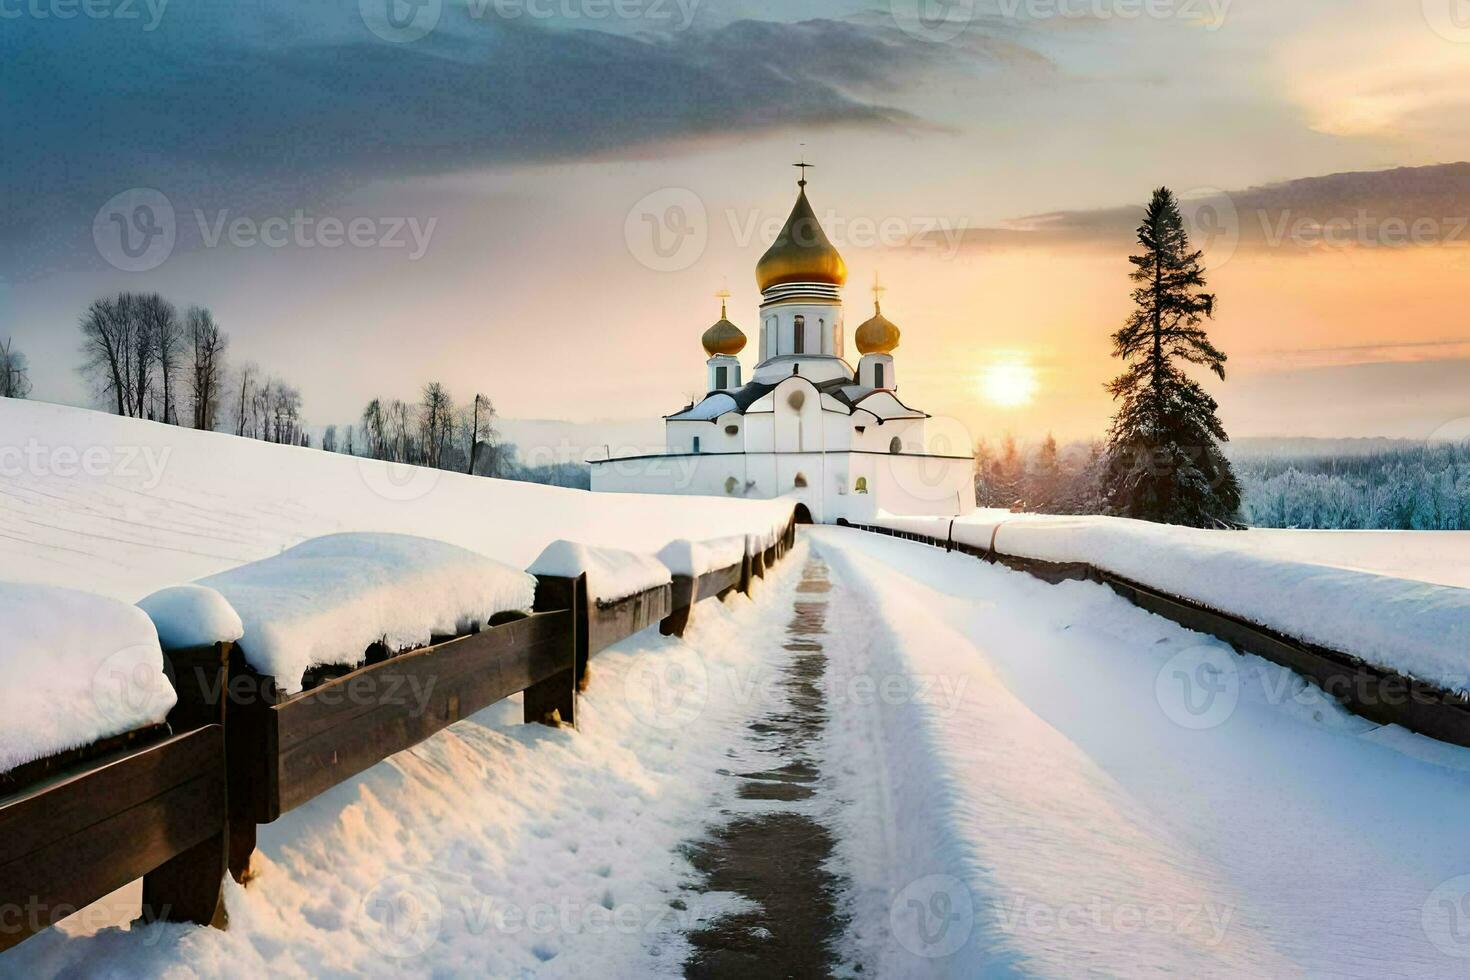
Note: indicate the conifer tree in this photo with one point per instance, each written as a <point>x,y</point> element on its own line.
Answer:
<point>1164,459</point>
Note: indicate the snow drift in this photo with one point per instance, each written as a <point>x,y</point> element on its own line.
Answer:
<point>74,668</point>
<point>1318,587</point>
<point>327,600</point>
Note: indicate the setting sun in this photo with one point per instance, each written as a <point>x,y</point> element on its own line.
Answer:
<point>1009,383</point>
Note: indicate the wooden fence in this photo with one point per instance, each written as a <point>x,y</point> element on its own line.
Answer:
<point>178,805</point>
<point>1373,692</point>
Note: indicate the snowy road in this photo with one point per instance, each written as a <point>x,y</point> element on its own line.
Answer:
<point>1111,792</point>
<point>1013,778</point>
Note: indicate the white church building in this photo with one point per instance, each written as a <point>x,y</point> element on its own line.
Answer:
<point>804,424</point>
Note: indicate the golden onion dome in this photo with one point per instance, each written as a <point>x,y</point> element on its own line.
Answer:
<point>877,335</point>
<point>723,337</point>
<point>801,253</point>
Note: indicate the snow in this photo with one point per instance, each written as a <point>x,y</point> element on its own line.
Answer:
<point>611,574</point>
<point>1051,800</point>
<point>710,408</point>
<point>493,849</point>
<point>1320,587</point>
<point>327,600</point>
<point>74,668</point>
<point>695,558</point>
<point>191,616</point>
<point>124,507</point>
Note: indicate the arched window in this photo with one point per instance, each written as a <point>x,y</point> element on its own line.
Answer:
<point>696,443</point>
<point>896,446</point>
<point>861,486</point>
<point>877,375</point>
<point>722,377</point>
<point>799,335</point>
<point>730,484</point>
<point>800,481</point>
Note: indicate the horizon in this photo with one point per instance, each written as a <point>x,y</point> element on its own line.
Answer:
<point>960,161</point>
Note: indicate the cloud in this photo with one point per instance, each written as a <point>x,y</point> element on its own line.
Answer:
<point>1400,208</point>
<point>265,107</point>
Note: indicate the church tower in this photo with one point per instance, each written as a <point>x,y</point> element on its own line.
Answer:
<point>876,340</point>
<point>722,342</point>
<point>801,278</point>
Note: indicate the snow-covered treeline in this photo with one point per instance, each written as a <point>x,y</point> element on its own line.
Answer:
<point>1422,487</point>
<point>1393,486</point>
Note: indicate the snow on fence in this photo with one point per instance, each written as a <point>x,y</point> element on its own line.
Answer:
<point>150,800</point>
<point>1392,650</point>
<point>97,786</point>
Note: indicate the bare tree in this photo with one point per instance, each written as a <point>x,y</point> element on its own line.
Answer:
<point>165,335</point>
<point>107,344</point>
<point>248,373</point>
<point>375,430</point>
<point>329,439</point>
<point>347,442</point>
<point>15,381</point>
<point>207,344</point>
<point>436,423</point>
<point>479,427</point>
<point>398,427</point>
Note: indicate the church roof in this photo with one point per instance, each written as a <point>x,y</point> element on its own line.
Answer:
<point>801,252</point>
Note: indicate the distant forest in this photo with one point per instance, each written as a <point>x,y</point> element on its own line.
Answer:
<point>1299,483</point>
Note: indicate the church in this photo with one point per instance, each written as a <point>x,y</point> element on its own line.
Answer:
<point>805,424</point>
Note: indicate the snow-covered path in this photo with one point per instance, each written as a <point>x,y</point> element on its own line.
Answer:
<point>1015,779</point>
<point>1064,783</point>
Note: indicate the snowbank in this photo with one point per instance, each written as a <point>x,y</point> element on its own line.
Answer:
<point>1402,624</point>
<point>191,616</point>
<point>695,558</point>
<point>74,668</point>
<point>124,507</point>
<point>327,600</point>
<point>611,574</point>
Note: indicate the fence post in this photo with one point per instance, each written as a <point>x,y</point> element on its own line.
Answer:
<point>190,886</point>
<point>555,592</point>
<point>685,595</point>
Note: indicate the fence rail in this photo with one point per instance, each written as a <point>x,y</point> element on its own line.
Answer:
<point>180,810</point>
<point>1380,695</point>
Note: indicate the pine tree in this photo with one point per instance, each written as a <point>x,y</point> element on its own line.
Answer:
<point>1164,459</point>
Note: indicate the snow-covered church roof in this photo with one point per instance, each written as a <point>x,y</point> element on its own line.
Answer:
<point>839,394</point>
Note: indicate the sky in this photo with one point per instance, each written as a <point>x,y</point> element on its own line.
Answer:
<point>539,199</point>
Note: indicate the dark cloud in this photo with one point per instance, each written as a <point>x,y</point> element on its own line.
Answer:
<point>1404,207</point>
<point>270,105</point>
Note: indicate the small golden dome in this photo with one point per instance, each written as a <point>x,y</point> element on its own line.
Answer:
<point>801,253</point>
<point>877,335</point>
<point>724,337</point>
